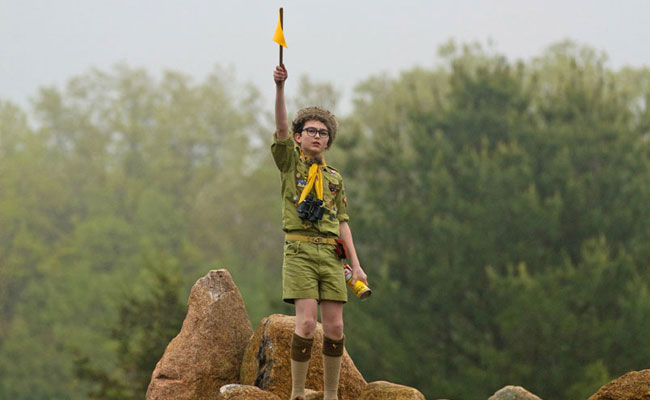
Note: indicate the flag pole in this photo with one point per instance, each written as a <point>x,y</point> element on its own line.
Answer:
<point>281,26</point>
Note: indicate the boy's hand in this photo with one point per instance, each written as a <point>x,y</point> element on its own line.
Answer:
<point>280,74</point>
<point>359,275</point>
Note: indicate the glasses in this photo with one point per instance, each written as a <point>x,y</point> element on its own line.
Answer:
<point>313,131</point>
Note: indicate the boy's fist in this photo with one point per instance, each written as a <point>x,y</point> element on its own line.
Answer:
<point>280,74</point>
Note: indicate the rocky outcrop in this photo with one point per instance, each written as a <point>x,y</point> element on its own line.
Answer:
<point>513,393</point>
<point>382,390</point>
<point>313,395</point>
<point>216,356</point>
<point>266,362</point>
<point>207,352</point>
<point>244,392</point>
<point>634,385</point>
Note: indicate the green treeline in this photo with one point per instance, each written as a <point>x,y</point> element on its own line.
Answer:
<point>501,210</point>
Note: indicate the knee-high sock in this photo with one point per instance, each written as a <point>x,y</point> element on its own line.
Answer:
<point>331,373</point>
<point>298,376</point>
<point>300,355</point>
<point>332,356</point>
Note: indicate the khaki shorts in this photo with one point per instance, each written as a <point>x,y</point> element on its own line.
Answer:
<point>312,271</point>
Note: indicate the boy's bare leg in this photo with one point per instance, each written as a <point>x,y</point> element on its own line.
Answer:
<point>306,314</point>
<point>333,342</point>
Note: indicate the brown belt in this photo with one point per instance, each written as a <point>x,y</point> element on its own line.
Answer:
<point>311,239</point>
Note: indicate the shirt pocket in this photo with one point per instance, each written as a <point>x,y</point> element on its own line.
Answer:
<point>331,187</point>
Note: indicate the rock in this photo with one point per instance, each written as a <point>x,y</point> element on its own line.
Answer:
<point>266,361</point>
<point>513,393</point>
<point>244,392</point>
<point>382,390</point>
<point>313,395</point>
<point>634,385</point>
<point>207,352</point>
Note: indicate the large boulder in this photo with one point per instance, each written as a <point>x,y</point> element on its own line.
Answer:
<point>267,365</point>
<point>244,392</point>
<point>513,393</point>
<point>313,395</point>
<point>382,390</point>
<point>207,352</point>
<point>634,385</point>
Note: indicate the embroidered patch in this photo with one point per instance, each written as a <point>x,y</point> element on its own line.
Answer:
<point>301,182</point>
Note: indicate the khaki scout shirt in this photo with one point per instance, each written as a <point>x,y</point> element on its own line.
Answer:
<point>294,170</point>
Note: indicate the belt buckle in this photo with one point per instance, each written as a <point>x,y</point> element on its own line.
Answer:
<point>316,240</point>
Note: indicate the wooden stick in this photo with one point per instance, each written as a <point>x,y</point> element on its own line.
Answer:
<point>281,26</point>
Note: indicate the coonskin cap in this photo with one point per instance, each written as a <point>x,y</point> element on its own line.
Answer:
<point>317,114</point>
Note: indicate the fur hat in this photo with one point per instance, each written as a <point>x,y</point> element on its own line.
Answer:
<point>316,114</point>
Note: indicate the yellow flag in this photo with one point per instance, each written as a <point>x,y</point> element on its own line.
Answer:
<point>278,36</point>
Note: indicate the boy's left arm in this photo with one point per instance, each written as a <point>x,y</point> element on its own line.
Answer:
<point>346,235</point>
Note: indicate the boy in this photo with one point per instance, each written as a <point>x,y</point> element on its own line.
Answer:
<point>314,213</point>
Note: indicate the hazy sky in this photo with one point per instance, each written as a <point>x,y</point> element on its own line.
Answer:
<point>46,42</point>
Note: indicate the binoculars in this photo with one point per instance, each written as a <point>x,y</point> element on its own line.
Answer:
<point>310,209</point>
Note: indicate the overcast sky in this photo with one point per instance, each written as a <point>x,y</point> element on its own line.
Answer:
<point>46,42</point>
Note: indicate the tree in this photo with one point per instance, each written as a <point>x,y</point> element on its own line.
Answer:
<point>111,180</point>
<point>485,172</point>
<point>148,320</point>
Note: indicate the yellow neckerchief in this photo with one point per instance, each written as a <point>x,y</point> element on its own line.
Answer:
<point>315,177</point>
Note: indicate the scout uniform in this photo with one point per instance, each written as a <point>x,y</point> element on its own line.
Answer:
<point>311,268</point>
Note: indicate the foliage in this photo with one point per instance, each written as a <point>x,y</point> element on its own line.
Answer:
<point>505,206</point>
<point>148,320</point>
<point>119,172</point>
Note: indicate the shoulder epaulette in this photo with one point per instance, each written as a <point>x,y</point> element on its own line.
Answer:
<point>334,170</point>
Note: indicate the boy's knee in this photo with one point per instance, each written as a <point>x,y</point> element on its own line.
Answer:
<point>333,330</point>
<point>306,328</point>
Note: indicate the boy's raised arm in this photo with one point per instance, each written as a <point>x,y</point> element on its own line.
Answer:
<point>281,122</point>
